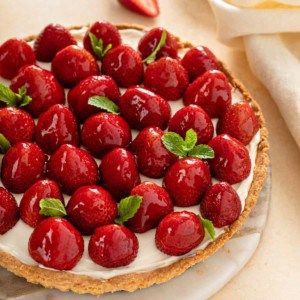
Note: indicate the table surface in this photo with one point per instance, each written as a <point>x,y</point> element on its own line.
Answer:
<point>275,268</point>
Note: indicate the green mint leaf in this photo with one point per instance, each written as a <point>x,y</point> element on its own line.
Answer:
<point>97,45</point>
<point>128,208</point>
<point>108,47</point>
<point>4,144</point>
<point>23,99</point>
<point>104,103</point>
<point>174,143</point>
<point>209,227</point>
<point>7,95</point>
<point>190,140</point>
<point>51,207</point>
<point>151,58</point>
<point>202,152</point>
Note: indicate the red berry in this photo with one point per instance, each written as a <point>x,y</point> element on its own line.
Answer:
<point>51,40</point>
<point>240,122</point>
<point>198,60</point>
<point>113,246</point>
<point>124,65</point>
<point>72,167</point>
<point>142,108</point>
<point>178,233</point>
<point>150,40</point>
<point>156,204</point>
<point>30,203</point>
<point>167,78</point>
<point>55,127</point>
<point>153,158</point>
<point>193,117</point>
<point>221,204</point>
<point>56,244</point>
<point>211,91</point>
<point>231,162</point>
<point>186,181</point>
<point>41,86</point>
<point>103,132</point>
<point>92,86</point>
<point>147,8</point>
<point>9,211</point>
<point>90,207</point>
<point>72,64</point>
<point>22,165</point>
<point>118,172</point>
<point>14,54</point>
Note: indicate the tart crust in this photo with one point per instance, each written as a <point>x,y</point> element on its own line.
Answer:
<point>81,284</point>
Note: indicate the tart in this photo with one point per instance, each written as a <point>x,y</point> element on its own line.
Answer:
<point>151,264</point>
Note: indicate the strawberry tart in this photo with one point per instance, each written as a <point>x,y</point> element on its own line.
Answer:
<point>127,156</point>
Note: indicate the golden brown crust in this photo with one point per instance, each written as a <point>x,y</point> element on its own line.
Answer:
<point>65,281</point>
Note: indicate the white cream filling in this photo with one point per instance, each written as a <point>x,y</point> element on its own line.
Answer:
<point>15,241</point>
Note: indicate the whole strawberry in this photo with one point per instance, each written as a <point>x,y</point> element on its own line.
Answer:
<point>124,65</point>
<point>103,132</point>
<point>9,211</point>
<point>14,54</point>
<point>56,244</point>
<point>41,86</point>
<point>113,246</point>
<point>240,122</point>
<point>55,127</point>
<point>232,162</point>
<point>22,165</point>
<point>72,64</point>
<point>119,173</point>
<point>211,91</point>
<point>78,96</point>
<point>147,8</point>
<point>30,202</point>
<point>90,207</point>
<point>167,78</point>
<point>221,204</point>
<point>142,108</point>
<point>51,40</point>
<point>178,233</point>
<point>198,60</point>
<point>155,205</point>
<point>72,167</point>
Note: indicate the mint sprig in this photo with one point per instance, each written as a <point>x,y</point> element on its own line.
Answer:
<point>4,144</point>
<point>51,207</point>
<point>208,226</point>
<point>97,45</point>
<point>14,99</point>
<point>104,103</point>
<point>128,208</point>
<point>152,57</point>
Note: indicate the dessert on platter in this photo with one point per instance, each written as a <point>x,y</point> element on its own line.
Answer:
<point>128,156</point>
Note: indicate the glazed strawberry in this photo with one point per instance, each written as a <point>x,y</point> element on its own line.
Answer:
<point>198,60</point>
<point>193,117</point>
<point>41,86</point>
<point>240,122</point>
<point>106,33</point>
<point>55,127</point>
<point>29,205</point>
<point>118,172</point>
<point>150,41</point>
<point>78,97</point>
<point>90,207</point>
<point>14,54</point>
<point>56,244</point>
<point>72,64</point>
<point>221,204</point>
<point>211,91</point>
<point>153,158</point>
<point>22,165</point>
<point>232,162</point>
<point>186,181</point>
<point>9,211</point>
<point>103,132</point>
<point>167,78</point>
<point>124,65</point>
<point>156,204</point>
<point>113,246</point>
<point>178,233</point>
<point>141,108</point>
<point>147,8</point>
<point>51,40</point>
<point>72,167</point>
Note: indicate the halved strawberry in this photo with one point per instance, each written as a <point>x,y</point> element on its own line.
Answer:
<point>148,8</point>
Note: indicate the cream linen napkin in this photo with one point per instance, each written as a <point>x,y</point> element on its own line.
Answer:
<point>271,34</point>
